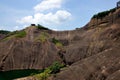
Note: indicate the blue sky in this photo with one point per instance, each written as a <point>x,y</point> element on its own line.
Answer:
<point>54,14</point>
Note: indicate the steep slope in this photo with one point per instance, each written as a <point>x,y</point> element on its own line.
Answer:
<point>27,52</point>
<point>96,53</point>
<point>90,53</point>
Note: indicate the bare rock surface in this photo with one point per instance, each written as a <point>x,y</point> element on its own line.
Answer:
<point>90,53</point>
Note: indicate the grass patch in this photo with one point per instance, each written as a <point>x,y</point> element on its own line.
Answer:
<point>43,37</point>
<point>57,42</point>
<point>7,38</point>
<point>20,34</point>
<point>53,69</point>
<point>15,34</point>
<point>44,75</point>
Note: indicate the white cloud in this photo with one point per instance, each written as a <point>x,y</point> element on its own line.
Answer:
<point>50,18</point>
<point>48,4</point>
<point>19,27</point>
<point>16,27</point>
<point>27,19</point>
<point>59,17</point>
<point>55,29</point>
<point>2,28</point>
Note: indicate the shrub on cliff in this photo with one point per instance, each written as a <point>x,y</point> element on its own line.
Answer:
<point>55,68</point>
<point>44,75</point>
<point>104,13</point>
<point>57,42</point>
<point>42,27</point>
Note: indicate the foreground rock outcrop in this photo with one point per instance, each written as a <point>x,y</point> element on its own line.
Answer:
<point>90,53</point>
<point>97,55</point>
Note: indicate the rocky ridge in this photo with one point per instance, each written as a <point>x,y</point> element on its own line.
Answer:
<point>90,53</point>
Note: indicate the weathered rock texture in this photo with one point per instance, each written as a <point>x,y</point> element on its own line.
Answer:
<point>94,51</point>
<point>91,52</point>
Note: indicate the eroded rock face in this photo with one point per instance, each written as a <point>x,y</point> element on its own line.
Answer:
<point>97,67</point>
<point>95,55</point>
<point>91,52</point>
<point>24,53</point>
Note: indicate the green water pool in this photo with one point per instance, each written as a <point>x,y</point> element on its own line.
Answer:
<point>10,75</point>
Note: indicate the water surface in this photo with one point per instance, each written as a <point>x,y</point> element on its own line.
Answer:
<point>14,74</point>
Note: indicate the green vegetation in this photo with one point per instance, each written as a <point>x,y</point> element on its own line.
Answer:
<point>7,38</point>
<point>20,34</point>
<point>10,35</point>
<point>39,74</point>
<point>53,69</point>
<point>4,32</point>
<point>103,14</point>
<point>15,34</point>
<point>44,75</point>
<point>43,37</point>
<point>41,27</point>
<point>57,42</point>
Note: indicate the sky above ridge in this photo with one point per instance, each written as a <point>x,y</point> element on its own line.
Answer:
<point>53,14</point>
